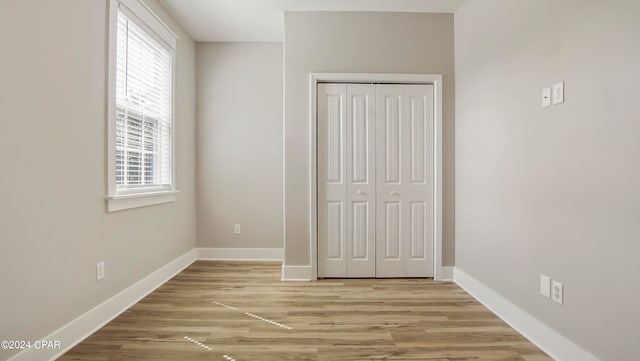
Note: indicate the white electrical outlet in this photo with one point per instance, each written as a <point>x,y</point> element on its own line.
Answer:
<point>545,286</point>
<point>557,290</point>
<point>100,270</point>
<point>546,97</point>
<point>236,228</point>
<point>558,93</point>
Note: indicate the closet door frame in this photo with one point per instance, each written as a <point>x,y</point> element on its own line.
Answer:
<point>431,79</point>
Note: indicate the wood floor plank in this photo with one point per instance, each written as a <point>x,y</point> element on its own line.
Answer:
<point>243,310</point>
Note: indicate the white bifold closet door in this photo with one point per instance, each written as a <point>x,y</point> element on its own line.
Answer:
<point>375,180</point>
<point>404,180</point>
<point>346,180</point>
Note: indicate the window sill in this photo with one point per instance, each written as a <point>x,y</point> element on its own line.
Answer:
<point>128,201</point>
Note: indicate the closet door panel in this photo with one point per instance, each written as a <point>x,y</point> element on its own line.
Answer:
<point>417,191</point>
<point>361,191</point>
<point>332,180</point>
<point>390,213</point>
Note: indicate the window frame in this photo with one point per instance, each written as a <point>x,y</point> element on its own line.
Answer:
<point>145,18</point>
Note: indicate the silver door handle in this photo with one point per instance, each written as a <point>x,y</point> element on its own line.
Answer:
<point>393,193</point>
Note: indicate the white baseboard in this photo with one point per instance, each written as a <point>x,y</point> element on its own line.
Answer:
<point>446,273</point>
<point>240,254</point>
<point>296,273</point>
<point>82,327</point>
<point>547,339</point>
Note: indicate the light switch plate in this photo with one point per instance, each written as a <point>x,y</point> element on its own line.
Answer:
<point>558,93</point>
<point>546,97</point>
<point>545,286</point>
<point>236,228</point>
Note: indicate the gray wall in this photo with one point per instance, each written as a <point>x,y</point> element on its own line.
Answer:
<point>53,223</point>
<point>239,144</point>
<point>554,190</point>
<point>358,43</point>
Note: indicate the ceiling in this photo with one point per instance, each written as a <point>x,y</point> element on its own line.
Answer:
<point>263,20</point>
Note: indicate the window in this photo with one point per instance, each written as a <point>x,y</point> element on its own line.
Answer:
<point>141,108</point>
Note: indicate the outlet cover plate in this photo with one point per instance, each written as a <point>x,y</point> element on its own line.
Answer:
<point>558,93</point>
<point>557,292</point>
<point>99,271</point>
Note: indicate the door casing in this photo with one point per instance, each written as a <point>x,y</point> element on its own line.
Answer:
<point>433,79</point>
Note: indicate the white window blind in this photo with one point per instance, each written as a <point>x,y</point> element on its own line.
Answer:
<point>143,110</point>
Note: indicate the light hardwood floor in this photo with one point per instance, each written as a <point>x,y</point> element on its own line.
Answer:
<point>242,311</point>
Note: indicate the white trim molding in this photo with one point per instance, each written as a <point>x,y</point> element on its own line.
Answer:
<point>82,327</point>
<point>297,273</point>
<point>436,81</point>
<point>240,254</point>
<point>547,339</point>
<point>119,203</point>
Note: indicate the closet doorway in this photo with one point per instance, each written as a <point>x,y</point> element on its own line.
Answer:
<point>376,180</point>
